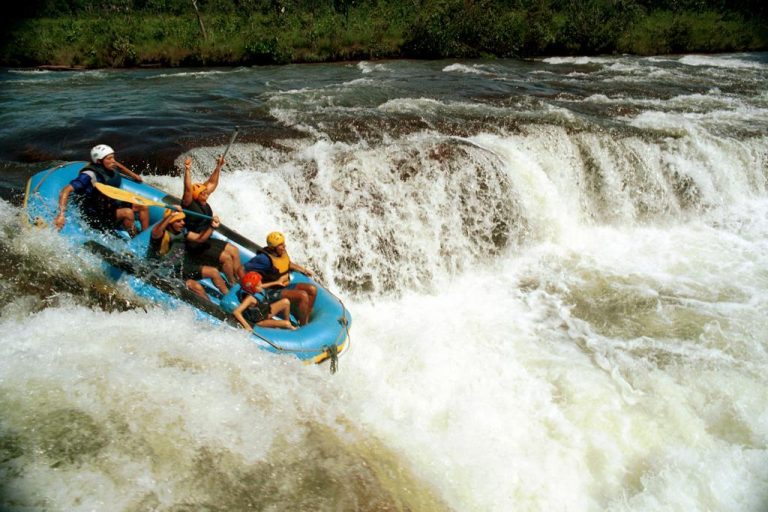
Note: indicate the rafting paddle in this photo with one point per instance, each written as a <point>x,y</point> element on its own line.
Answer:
<point>130,197</point>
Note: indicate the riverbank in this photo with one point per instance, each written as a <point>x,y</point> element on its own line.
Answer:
<point>448,29</point>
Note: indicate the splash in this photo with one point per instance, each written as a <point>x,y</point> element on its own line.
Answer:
<point>559,301</point>
<point>416,211</point>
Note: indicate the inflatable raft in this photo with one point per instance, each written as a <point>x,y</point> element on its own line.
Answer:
<point>124,260</point>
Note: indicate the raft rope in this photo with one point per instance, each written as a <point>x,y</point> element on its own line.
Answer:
<point>333,352</point>
<point>50,171</point>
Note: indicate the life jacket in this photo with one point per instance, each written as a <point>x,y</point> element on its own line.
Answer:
<point>94,202</point>
<point>171,246</point>
<point>256,312</point>
<point>281,265</point>
<point>103,175</point>
<point>193,222</point>
<point>172,243</point>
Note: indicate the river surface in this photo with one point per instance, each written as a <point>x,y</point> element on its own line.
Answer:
<point>557,269</point>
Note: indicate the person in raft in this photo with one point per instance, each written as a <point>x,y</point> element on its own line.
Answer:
<point>259,312</point>
<point>274,263</point>
<point>102,212</point>
<point>210,252</point>
<point>167,244</point>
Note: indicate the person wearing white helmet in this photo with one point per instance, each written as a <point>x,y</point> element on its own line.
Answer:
<point>100,211</point>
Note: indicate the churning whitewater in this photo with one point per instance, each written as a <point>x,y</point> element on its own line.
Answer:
<point>558,272</point>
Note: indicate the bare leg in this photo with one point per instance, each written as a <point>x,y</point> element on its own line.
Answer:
<point>311,292</point>
<point>143,215</point>
<point>197,289</point>
<point>301,299</point>
<point>125,217</point>
<point>285,324</point>
<point>282,306</point>
<point>227,267</point>
<point>237,265</point>
<point>214,275</point>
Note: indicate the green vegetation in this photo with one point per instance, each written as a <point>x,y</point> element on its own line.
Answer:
<point>122,33</point>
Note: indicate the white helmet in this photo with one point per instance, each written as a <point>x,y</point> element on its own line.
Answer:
<point>99,152</point>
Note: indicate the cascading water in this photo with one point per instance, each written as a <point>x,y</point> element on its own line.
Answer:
<point>559,300</point>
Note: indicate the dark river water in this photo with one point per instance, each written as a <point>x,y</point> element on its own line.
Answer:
<point>558,271</point>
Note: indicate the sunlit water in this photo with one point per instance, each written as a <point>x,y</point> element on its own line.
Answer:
<point>558,272</point>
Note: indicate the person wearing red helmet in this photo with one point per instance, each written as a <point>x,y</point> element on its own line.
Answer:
<point>212,252</point>
<point>100,211</point>
<point>258,312</point>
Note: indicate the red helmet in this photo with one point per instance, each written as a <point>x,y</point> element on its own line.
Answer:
<point>250,281</point>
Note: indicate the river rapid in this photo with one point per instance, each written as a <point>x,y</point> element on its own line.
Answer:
<point>557,270</point>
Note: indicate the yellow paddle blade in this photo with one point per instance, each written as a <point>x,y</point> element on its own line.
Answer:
<point>125,195</point>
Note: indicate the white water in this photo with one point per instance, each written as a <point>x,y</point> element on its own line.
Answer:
<point>544,319</point>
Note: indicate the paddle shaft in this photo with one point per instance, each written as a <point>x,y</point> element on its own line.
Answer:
<point>188,212</point>
<point>231,140</point>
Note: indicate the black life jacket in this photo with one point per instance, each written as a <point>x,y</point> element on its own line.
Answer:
<point>257,312</point>
<point>95,203</point>
<point>193,222</point>
<point>109,177</point>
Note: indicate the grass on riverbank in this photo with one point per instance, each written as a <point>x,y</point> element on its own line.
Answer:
<point>446,28</point>
<point>121,40</point>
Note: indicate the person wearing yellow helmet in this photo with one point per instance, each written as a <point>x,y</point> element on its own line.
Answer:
<point>167,245</point>
<point>275,265</point>
<point>210,252</point>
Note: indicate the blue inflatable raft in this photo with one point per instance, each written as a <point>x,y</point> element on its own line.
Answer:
<point>323,338</point>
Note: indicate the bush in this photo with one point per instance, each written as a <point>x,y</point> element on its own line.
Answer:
<point>595,26</point>
<point>664,32</point>
<point>265,50</point>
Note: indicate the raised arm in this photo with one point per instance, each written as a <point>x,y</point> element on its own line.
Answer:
<point>238,312</point>
<point>213,180</point>
<point>186,199</point>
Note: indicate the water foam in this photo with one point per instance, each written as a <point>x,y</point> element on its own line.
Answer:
<point>724,61</point>
<point>368,67</point>
<point>557,409</point>
<point>545,318</point>
<point>475,69</point>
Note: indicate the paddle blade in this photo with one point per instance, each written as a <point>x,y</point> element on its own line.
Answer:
<point>125,195</point>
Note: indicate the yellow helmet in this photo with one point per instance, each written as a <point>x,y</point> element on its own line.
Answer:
<point>275,238</point>
<point>175,215</point>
